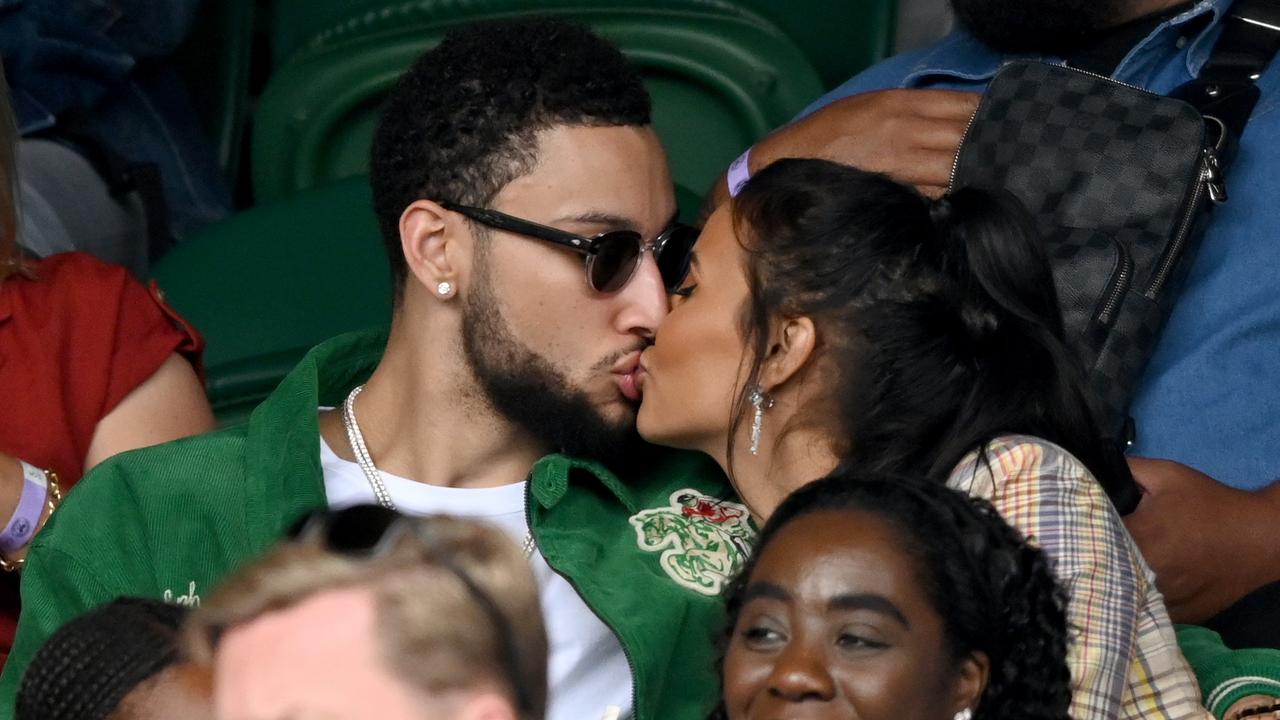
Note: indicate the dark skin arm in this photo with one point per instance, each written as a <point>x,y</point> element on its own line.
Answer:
<point>1209,544</point>
<point>910,135</point>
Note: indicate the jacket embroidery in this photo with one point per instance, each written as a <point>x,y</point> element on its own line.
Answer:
<point>191,599</point>
<point>704,541</point>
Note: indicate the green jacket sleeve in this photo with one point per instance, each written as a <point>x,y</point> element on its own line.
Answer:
<point>1227,675</point>
<point>88,554</point>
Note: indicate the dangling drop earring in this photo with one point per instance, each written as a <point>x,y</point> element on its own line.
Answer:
<point>760,402</point>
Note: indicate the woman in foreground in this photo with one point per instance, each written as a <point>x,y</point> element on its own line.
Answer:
<point>879,597</point>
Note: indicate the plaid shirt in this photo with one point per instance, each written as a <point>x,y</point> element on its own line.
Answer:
<point>1124,657</point>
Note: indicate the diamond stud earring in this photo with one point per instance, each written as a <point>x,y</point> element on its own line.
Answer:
<point>445,289</point>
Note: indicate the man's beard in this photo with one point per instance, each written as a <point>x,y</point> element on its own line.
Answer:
<point>1036,26</point>
<point>532,393</point>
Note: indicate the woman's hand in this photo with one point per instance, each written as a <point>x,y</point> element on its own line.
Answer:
<point>1251,703</point>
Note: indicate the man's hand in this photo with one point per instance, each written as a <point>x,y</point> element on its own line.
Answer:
<point>1209,544</point>
<point>1251,702</point>
<point>911,135</point>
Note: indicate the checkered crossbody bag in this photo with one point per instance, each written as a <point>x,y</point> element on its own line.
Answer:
<point>1122,183</point>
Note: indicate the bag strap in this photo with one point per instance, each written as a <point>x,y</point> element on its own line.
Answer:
<point>1226,89</point>
<point>1225,93</point>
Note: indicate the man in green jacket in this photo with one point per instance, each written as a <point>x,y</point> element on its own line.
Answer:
<point>527,209</point>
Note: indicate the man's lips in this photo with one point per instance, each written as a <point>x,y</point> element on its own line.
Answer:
<point>629,374</point>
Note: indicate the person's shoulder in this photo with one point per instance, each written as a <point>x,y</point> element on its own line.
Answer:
<point>951,53</point>
<point>1029,455</point>
<point>180,475</point>
<point>79,272</point>
<point>1028,448</point>
<point>77,293</point>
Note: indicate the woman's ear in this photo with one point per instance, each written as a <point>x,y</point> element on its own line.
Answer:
<point>791,347</point>
<point>971,682</point>
<point>428,245</point>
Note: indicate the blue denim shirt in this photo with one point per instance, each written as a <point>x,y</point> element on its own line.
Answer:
<point>1211,396</point>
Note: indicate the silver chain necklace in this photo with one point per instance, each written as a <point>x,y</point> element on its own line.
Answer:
<point>365,461</point>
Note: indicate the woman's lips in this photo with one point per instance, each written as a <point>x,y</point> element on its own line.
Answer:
<point>631,384</point>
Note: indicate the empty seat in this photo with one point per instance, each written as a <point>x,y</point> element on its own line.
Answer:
<point>720,78</point>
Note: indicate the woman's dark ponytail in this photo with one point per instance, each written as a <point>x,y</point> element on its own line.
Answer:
<point>940,316</point>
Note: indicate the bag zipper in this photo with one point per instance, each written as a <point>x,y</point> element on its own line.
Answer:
<point>955,163</point>
<point>626,653</point>
<point>1209,181</point>
<point>1118,287</point>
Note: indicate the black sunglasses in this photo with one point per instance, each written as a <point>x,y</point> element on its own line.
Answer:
<point>612,257</point>
<point>369,531</point>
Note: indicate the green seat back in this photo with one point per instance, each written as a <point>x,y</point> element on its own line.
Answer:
<point>839,38</point>
<point>214,63</point>
<point>720,80</point>
<point>268,283</point>
<point>298,26</point>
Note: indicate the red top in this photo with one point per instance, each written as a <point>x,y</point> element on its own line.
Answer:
<point>74,342</point>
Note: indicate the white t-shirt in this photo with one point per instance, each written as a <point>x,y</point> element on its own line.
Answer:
<point>588,674</point>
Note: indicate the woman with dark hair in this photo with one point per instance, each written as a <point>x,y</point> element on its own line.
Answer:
<point>880,597</point>
<point>835,318</point>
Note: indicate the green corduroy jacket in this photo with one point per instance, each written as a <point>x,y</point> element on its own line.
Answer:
<point>649,553</point>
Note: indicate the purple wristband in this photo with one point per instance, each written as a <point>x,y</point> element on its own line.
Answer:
<point>739,173</point>
<point>26,518</point>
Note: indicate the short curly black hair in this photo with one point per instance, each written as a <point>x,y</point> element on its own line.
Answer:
<point>996,593</point>
<point>460,123</point>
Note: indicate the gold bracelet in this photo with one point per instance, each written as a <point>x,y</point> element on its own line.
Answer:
<point>53,500</point>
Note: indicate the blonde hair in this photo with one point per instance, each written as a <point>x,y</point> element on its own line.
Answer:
<point>435,634</point>
<point>10,259</point>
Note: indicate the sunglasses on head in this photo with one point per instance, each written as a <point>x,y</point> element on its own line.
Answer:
<point>370,531</point>
<point>612,257</point>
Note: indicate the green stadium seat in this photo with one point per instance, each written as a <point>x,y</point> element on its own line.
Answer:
<point>720,79</point>
<point>839,38</point>
<point>267,284</point>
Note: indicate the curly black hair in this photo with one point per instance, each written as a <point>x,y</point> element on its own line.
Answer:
<point>995,592</point>
<point>460,124</point>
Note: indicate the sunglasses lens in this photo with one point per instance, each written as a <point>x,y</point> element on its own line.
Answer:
<point>359,529</point>
<point>614,261</point>
<point>673,255</point>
